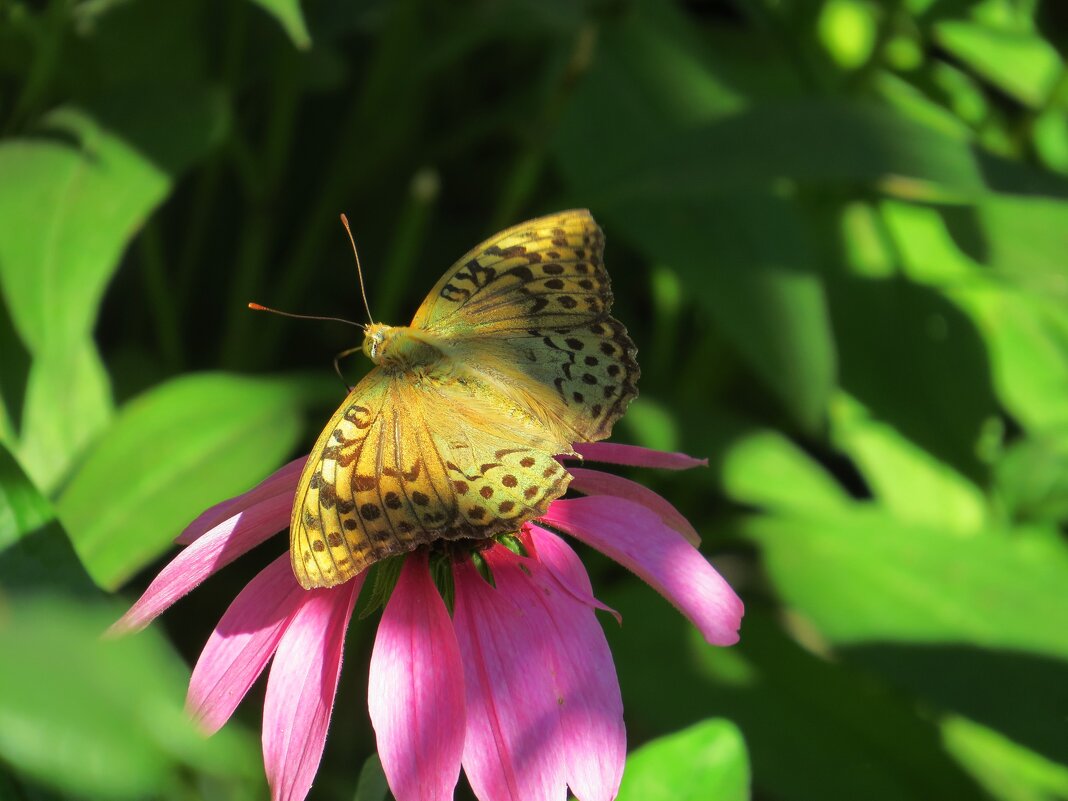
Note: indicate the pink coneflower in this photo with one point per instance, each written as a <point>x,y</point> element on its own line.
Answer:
<point>516,686</point>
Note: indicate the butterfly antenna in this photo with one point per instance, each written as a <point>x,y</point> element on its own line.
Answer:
<point>359,270</point>
<point>260,307</point>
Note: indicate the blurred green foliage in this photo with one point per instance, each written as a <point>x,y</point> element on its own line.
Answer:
<point>837,230</point>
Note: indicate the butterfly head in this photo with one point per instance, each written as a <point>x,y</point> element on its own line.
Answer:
<point>398,346</point>
<point>375,337</point>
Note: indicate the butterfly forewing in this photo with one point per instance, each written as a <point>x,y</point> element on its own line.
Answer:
<point>549,271</point>
<point>398,467</point>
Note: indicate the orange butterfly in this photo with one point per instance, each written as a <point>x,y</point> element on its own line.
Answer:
<point>511,358</point>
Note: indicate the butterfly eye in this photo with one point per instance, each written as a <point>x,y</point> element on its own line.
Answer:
<point>372,344</point>
<point>371,341</point>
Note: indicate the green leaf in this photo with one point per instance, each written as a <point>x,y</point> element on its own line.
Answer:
<point>1050,137</point>
<point>141,46</point>
<point>764,468</point>
<point>707,760</point>
<point>1004,768</point>
<point>1032,476</point>
<point>1022,239</point>
<point>919,241</point>
<point>69,203</point>
<point>1027,337</point>
<point>848,31</point>
<point>170,453</point>
<point>918,363</point>
<point>952,620</point>
<point>68,403</point>
<point>69,206</point>
<point>908,481</point>
<point>757,289</point>
<point>1023,65</point>
<point>912,103</point>
<point>289,15</point>
<point>441,573</point>
<point>111,726</point>
<point>371,785</point>
<point>654,56</point>
<point>378,589</point>
<point>652,425</point>
<point>34,549</point>
<point>738,250</point>
<point>831,144</point>
<point>814,729</point>
<point>1000,262</point>
<point>863,576</point>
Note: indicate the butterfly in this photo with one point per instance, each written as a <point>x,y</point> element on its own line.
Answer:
<point>454,434</point>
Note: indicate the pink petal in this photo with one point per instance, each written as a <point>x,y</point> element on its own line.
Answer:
<point>282,481</point>
<point>636,456</point>
<point>239,648</point>
<point>594,482</point>
<point>638,540</point>
<point>301,689</point>
<point>594,739</point>
<point>209,553</point>
<point>514,750</point>
<point>555,555</point>
<point>416,690</point>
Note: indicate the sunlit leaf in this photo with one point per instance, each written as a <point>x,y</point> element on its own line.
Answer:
<point>847,30</point>
<point>1023,65</point>
<point>764,469</point>
<point>290,17</point>
<point>1027,337</point>
<point>1005,769</point>
<point>923,244</point>
<point>864,576</point>
<point>914,104</point>
<point>707,760</point>
<point>1033,476</point>
<point>1050,134</point>
<point>1023,239</point>
<point>70,202</point>
<point>911,483</point>
<point>1000,262</point>
<point>67,404</point>
<point>102,719</point>
<point>171,453</point>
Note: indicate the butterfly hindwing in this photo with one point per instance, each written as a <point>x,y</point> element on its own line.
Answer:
<point>575,381</point>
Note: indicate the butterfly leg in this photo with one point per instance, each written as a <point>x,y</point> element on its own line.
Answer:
<point>337,365</point>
